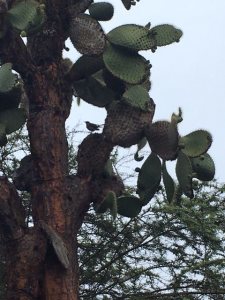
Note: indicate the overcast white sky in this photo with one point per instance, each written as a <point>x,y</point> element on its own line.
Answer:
<point>189,74</point>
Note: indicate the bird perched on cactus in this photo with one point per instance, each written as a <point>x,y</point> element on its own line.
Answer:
<point>91,126</point>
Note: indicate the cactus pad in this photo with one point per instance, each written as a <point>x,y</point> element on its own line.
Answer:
<point>11,99</point>
<point>163,139</point>
<point>86,35</point>
<point>114,83</point>
<point>129,206</point>
<point>169,184</point>
<point>13,119</point>
<point>137,96</point>
<point>101,11</point>
<point>196,143</point>
<point>128,66</point>
<point>204,167</point>
<point>184,174</point>
<point>166,34</point>
<point>3,138</point>
<point>94,92</point>
<point>134,37</point>
<point>8,80</point>
<point>149,178</point>
<point>86,66</point>
<point>124,124</point>
<point>27,16</point>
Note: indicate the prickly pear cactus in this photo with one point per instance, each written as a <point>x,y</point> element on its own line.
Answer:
<point>87,35</point>
<point>125,125</point>
<point>128,3</point>
<point>165,34</point>
<point>203,167</point>
<point>129,206</point>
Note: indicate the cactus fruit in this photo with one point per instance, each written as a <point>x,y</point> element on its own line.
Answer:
<point>184,174</point>
<point>149,178</point>
<point>85,66</point>
<point>204,167</point>
<point>169,184</point>
<point>124,124</point>
<point>127,3</point>
<point>163,139</point>
<point>87,35</point>
<point>101,11</point>
<point>94,92</point>
<point>129,206</point>
<point>196,143</point>
<point>27,16</point>
<point>137,96</point>
<point>141,144</point>
<point>165,34</point>
<point>126,65</point>
<point>13,119</point>
<point>8,80</point>
<point>134,37</point>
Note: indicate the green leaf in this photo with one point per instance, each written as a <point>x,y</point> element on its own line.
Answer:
<point>166,34</point>
<point>149,178</point>
<point>196,143</point>
<point>137,96</point>
<point>204,167</point>
<point>168,183</point>
<point>126,65</point>
<point>13,119</point>
<point>129,206</point>
<point>140,146</point>
<point>27,16</point>
<point>184,174</point>
<point>7,79</point>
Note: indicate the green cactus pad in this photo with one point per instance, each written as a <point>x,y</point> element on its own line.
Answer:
<point>149,178</point>
<point>196,143</point>
<point>3,138</point>
<point>163,139</point>
<point>101,11</point>
<point>128,66</point>
<point>129,206</point>
<point>137,96</point>
<point>184,174</point>
<point>94,92</point>
<point>140,146</point>
<point>11,99</point>
<point>27,16</point>
<point>8,80</point>
<point>86,66</point>
<point>166,34</point>
<point>134,37</point>
<point>169,184</point>
<point>204,167</point>
<point>13,119</point>
<point>87,35</point>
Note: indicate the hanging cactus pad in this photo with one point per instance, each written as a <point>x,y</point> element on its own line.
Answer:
<point>204,167</point>
<point>184,174</point>
<point>168,184</point>
<point>149,178</point>
<point>8,79</point>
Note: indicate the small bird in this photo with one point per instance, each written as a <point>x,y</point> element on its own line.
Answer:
<point>91,126</point>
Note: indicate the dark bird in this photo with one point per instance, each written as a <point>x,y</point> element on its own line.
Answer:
<point>91,126</point>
